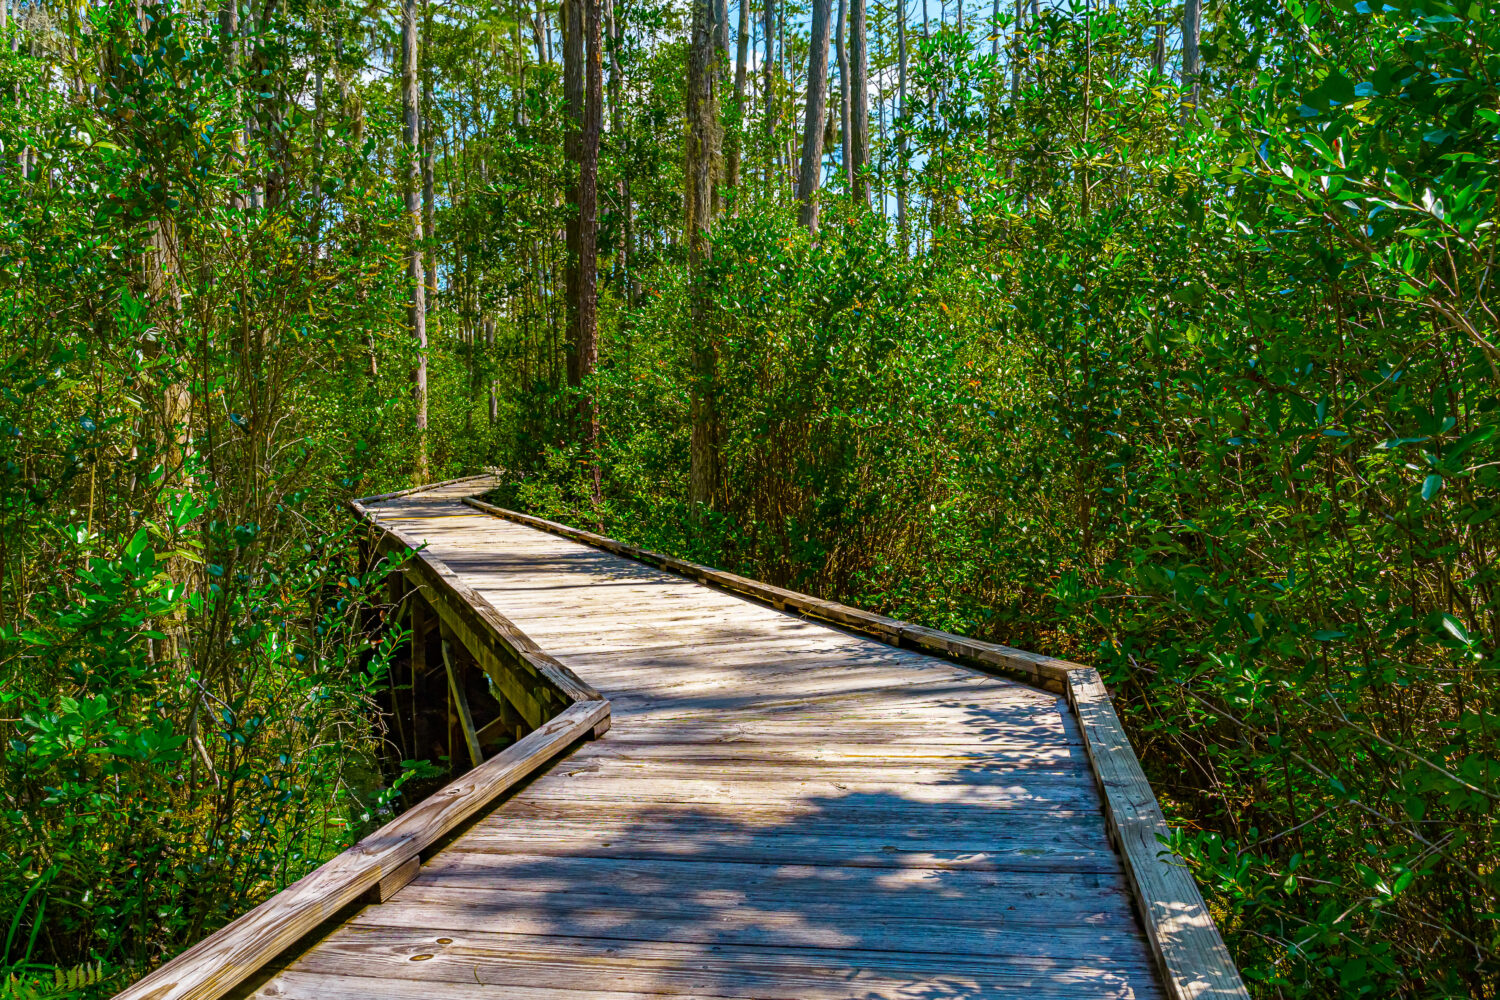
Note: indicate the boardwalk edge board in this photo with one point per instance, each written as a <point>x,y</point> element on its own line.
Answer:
<point>1185,942</point>
<point>387,859</point>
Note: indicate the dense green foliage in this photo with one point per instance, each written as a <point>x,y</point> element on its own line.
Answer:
<point>185,678</point>
<point>1205,398</point>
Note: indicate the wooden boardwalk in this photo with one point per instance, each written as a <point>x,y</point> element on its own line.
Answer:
<point>780,809</point>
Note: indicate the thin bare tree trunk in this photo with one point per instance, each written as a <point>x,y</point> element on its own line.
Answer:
<point>702,126</point>
<point>430,272</point>
<point>489,343</point>
<point>788,158</point>
<point>415,277</point>
<point>741,70</point>
<point>811,174</point>
<point>588,226</point>
<point>840,46</point>
<point>721,37</point>
<point>1017,34</point>
<point>1192,15</point>
<point>859,102</point>
<point>901,165</point>
<point>542,34</point>
<point>768,70</point>
<point>573,57</point>
<point>721,82</point>
<point>617,133</point>
<point>1159,49</point>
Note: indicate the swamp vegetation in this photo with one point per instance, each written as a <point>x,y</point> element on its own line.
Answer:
<point>1160,337</point>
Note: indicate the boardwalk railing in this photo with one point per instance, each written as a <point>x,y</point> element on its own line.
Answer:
<point>373,869</point>
<point>1191,957</point>
<point>1190,954</point>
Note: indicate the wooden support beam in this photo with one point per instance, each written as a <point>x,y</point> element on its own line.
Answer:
<point>461,705</point>
<point>507,724</point>
<point>421,622</point>
<point>392,883</point>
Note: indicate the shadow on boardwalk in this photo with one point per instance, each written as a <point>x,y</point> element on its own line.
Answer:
<point>943,891</point>
<point>782,811</point>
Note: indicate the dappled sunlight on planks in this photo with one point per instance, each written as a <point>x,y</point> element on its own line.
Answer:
<point>781,810</point>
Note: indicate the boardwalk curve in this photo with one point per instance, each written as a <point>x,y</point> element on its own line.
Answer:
<point>780,809</point>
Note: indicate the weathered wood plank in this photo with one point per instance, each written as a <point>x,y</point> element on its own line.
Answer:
<point>645,878</point>
<point>591,965</point>
<point>644,840</point>
<point>1185,941</point>
<point>676,919</point>
<point>1194,960</point>
<point>216,964</point>
<point>789,811</point>
<point>396,880</point>
<point>874,905</point>
<point>478,482</point>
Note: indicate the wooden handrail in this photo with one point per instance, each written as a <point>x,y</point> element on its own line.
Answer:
<point>1189,952</point>
<point>389,857</point>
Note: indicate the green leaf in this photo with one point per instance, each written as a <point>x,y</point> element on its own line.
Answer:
<point>1455,628</point>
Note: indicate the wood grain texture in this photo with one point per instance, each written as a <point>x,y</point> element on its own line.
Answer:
<point>1046,671</point>
<point>796,800</point>
<point>220,961</point>
<point>1185,942</point>
<point>503,964</point>
<point>488,635</point>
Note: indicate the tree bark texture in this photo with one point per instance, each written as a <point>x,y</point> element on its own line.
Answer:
<point>840,46</point>
<point>415,278</point>
<point>702,128</point>
<point>741,70</point>
<point>1192,16</point>
<point>573,57</point>
<point>811,174</point>
<point>901,165</point>
<point>588,231</point>
<point>859,101</point>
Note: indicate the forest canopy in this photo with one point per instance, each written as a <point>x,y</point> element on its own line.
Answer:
<point>1158,336</point>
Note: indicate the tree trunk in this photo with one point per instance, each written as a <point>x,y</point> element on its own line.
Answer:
<point>542,35</point>
<point>1159,49</point>
<point>588,228</point>
<point>489,343</point>
<point>741,69</point>
<point>573,57</point>
<point>840,45</point>
<point>768,70</point>
<point>1192,14</point>
<point>811,174</point>
<point>1017,48</point>
<point>901,165</point>
<point>618,144</point>
<point>702,124</point>
<point>415,278</point>
<point>430,270</point>
<point>229,37</point>
<point>859,102</point>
